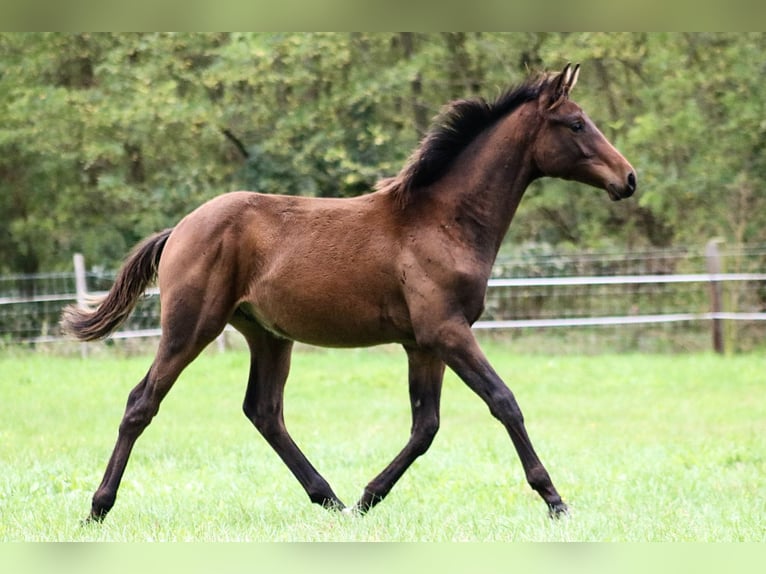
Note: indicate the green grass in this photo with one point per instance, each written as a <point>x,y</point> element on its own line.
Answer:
<point>642,447</point>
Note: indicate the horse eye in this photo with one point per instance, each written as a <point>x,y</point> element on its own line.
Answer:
<point>577,126</point>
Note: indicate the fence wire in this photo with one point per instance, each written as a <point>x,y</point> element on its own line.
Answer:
<point>577,302</point>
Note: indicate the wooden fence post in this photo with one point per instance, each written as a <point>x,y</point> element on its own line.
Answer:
<point>81,290</point>
<point>713,258</point>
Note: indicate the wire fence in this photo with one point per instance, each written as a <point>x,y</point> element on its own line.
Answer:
<point>586,302</point>
<point>657,301</point>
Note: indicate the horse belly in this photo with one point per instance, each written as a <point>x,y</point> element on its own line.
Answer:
<point>331,316</point>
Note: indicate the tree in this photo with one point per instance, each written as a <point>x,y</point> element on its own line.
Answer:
<point>105,138</point>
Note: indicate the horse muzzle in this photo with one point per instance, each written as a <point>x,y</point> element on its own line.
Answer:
<point>618,191</point>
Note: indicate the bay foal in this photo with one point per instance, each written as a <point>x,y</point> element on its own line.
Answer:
<point>407,264</point>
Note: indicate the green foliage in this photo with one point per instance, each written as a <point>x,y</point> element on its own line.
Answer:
<point>105,138</point>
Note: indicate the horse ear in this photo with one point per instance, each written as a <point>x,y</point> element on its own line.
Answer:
<point>573,78</point>
<point>563,84</point>
<point>564,77</point>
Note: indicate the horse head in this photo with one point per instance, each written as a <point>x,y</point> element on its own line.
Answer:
<point>570,146</point>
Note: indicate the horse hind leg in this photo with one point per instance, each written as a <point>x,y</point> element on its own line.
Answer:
<point>185,334</point>
<point>263,405</point>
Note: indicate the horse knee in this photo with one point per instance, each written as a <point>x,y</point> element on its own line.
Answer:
<point>504,407</point>
<point>133,424</point>
<point>268,423</point>
<point>423,435</point>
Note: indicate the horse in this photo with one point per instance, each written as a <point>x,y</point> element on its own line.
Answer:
<point>406,263</point>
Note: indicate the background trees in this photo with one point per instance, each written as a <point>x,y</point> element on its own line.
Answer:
<point>107,137</point>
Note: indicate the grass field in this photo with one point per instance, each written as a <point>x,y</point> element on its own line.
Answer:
<point>642,447</point>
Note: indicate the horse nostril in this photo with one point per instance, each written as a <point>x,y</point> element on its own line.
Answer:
<point>632,181</point>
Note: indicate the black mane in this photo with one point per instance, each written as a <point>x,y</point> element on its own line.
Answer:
<point>454,128</point>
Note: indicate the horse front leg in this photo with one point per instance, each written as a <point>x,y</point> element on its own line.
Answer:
<point>426,373</point>
<point>459,349</point>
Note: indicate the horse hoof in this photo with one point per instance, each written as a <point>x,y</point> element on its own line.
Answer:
<point>90,519</point>
<point>558,510</point>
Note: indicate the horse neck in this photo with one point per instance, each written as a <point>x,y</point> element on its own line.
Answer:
<point>482,191</point>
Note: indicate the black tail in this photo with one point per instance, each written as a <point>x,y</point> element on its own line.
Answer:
<point>138,270</point>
